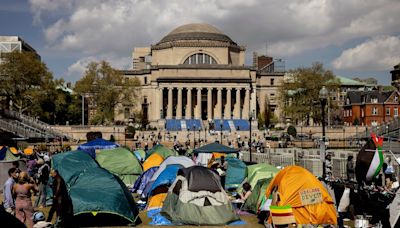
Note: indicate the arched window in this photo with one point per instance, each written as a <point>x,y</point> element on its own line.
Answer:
<point>200,58</point>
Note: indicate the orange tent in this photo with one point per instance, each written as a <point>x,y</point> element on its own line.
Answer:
<point>300,189</point>
<point>156,201</point>
<point>152,161</point>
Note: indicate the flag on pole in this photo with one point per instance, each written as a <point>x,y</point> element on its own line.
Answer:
<point>370,159</point>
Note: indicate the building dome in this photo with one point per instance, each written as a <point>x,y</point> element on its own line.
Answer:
<point>196,31</point>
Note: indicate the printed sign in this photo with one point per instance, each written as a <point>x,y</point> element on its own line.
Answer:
<point>310,196</point>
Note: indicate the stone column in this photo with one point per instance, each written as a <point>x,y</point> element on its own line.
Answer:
<point>189,104</point>
<point>160,103</point>
<point>209,103</point>
<point>169,108</point>
<point>198,107</point>
<point>237,105</point>
<point>228,107</point>
<point>246,104</point>
<point>218,115</point>
<point>179,106</point>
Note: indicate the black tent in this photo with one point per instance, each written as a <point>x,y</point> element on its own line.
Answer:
<point>215,147</point>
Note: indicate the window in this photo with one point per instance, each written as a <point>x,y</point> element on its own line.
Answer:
<point>272,81</point>
<point>374,111</point>
<point>362,112</point>
<point>374,100</point>
<point>351,112</point>
<point>145,100</point>
<point>200,58</point>
<point>145,80</point>
<point>388,111</point>
<point>396,112</point>
<point>396,98</point>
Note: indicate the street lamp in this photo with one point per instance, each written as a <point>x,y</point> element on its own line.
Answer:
<point>250,119</point>
<point>194,137</point>
<point>221,124</point>
<point>323,97</point>
<point>205,134</point>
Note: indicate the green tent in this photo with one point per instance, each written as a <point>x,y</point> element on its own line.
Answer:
<point>98,197</point>
<point>259,171</point>
<point>120,162</point>
<point>161,150</point>
<point>10,156</point>
<point>235,174</point>
<point>257,193</point>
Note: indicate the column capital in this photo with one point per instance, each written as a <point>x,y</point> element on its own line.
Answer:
<point>170,88</point>
<point>247,88</point>
<point>209,88</point>
<point>180,88</point>
<point>189,88</point>
<point>229,88</point>
<point>219,88</point>
<point>199,88</point>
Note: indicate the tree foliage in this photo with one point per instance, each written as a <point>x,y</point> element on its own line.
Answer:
<point>24,80</point>
<point>106,88</point>
<point>299,94</point>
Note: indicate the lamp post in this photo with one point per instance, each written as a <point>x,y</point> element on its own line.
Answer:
<point>205,134</point>
<point>221,124</point>
<point>83,110</point>
<point>194,137</point>
<point>344,137</point>
<point>323,97</point>
<point>250,143</point>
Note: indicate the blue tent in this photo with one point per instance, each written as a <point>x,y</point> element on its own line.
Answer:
<point>3,151</point>
<point>167,177</point>
<point>97,144</point>
<point>235,174</point>
<point>143,179</point>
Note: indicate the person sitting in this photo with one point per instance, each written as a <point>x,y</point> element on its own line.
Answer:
<point>244,195</point>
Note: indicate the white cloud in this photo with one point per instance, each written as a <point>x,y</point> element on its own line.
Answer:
<point>380,53</point>
<point>76,70</point>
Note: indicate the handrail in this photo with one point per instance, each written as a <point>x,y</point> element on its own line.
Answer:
<point>36,123</point>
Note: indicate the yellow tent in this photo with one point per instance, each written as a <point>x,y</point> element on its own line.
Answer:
<point>28,151</point>
<point>300,189</point>
<point>13,150</point>
<point>156,201</point>
<point>152,161</point>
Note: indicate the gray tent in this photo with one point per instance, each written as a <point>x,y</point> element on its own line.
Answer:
<point>197,198</point>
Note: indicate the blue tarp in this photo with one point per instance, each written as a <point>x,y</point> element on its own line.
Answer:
<point>143,179</point>
<point>97,144</point>
<point>235,174</point>
<point>167,177</point>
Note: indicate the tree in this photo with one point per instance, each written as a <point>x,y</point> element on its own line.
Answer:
<point>107,88</point>
<point>299,93</point>
<point>25,80</point>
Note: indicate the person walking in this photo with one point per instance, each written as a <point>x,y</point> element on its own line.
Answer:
<point>350,168</point>
<point>23,203</point>
<point>9,204</point>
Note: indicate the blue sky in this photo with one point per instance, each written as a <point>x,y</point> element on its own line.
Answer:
<point>353,38</point>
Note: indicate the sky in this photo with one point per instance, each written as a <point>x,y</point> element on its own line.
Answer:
<point>353,38</point>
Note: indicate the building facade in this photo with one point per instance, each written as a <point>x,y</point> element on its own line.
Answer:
<point>370,108</point>
<point>15,43</point>
<point>198,72</point>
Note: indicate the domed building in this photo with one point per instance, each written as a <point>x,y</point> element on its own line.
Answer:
<point>196,75</point>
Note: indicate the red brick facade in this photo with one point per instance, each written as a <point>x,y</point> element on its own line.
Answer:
<point>373,111</point>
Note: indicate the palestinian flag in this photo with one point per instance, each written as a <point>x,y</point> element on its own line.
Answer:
<point>282,215</point>
<point>370,159</point>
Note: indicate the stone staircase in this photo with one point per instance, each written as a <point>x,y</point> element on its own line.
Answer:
<point>28,127</point>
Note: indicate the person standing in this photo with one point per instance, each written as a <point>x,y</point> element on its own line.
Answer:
<point>350,168</point>
<point>43,178</point>
<point>62,204</point>
<point>23,203</point>
<point>9,204</point>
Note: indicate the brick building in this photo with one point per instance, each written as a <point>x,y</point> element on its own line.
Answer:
<point>370,108</point>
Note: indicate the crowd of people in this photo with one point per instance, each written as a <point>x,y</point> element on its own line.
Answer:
<point>21,187</point>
